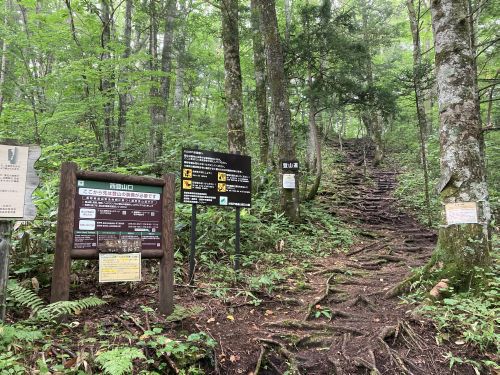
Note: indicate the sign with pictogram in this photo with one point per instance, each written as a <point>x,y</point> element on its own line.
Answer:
<point>216,178</point>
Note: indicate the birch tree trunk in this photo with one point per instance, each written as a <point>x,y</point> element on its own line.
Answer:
<point>259,59</point>
<point>289,198</point>
<point>232,78</point>
<point>461,247</point>
<point>419,97</point>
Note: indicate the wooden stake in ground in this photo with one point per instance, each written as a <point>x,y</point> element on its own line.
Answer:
<point>5,228</point>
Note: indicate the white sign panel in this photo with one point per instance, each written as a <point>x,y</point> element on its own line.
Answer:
<point>13,171</point>
<point>119,267</point>
<point>288,181</point>
<point>461,213</point>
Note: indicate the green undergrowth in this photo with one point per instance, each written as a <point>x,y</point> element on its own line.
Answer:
<point>467,318</point>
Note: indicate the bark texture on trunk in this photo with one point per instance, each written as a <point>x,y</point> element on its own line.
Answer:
<point>461,247</point>
<point>289,199</point>
<point>232,78</point>
<point>259,58</point>
<point>314,145</point>
<point>166,54</point>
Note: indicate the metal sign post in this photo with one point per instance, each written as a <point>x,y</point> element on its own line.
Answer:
<point>192,253</point>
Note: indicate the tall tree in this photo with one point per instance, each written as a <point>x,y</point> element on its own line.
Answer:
<point>289,198</point>
<point>232,78</point>
<point>418,76</point>
<point>259,63</point>
<point>156,110</point>
<point>107,81</point>
<point>461,247</point>
<point>123,96</point>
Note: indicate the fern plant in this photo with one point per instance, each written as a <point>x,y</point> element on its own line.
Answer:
<point>40,311</point>
<point>119,360</point>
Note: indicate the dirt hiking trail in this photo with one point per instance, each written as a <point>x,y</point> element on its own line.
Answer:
<point>337,319</point>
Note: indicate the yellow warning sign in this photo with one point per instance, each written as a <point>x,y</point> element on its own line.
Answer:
<point>187,184</point>
<point>187,173</point>
<point>221,176</point>
<point>221,188</point>
<point>119,267</point>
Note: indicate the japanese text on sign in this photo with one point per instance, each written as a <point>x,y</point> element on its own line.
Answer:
<point>119,267</point>
<point>215,178</point>
<point>13,171</point>
<point>109,213</point>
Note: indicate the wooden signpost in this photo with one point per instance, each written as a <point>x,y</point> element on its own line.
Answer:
<point>118,219</point>
<point>215,178</point>
<point>18,180</point>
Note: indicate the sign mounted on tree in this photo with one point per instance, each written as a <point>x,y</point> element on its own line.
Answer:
<point>461,213</point>
<point>290,169</point>
<point>216,178</point>
<point>118,219</point>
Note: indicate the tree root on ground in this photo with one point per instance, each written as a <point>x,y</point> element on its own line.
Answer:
<point>405,285</point>
<point>263,351</point>
<point>320,298</point>
<point>293,365</point>
<point>299,324</point>
<point>365,300</point>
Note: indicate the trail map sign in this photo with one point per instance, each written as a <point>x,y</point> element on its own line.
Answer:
<point>216,178</point>
<point>118,219</point>
<point>110,215</point>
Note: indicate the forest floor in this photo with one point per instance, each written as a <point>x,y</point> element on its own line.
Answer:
<point>334,317</point>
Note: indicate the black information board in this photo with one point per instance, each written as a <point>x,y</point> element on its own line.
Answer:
<point>216,178</point>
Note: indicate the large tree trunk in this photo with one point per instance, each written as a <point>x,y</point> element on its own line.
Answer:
<point>414,16</point>
<point>289,199</point>
<point>232,82</point>
<point>461,247</point>
<point>3,63</point>
<point>259,59</point>
<point>123,97</point>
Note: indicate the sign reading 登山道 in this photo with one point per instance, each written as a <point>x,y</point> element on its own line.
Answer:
<point>109,213</point>
<point>13,172</point>
<point>216,178</point>
<point>461,213</point>
<point>119,267</point>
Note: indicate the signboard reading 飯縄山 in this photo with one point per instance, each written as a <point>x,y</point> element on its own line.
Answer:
<point>216,178</point>
<point>13,172</point>
<point>116,215</point>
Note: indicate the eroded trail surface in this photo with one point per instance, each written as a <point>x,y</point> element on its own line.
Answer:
<point>344,323</point>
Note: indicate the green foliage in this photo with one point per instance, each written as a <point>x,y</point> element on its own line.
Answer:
<point>119,361</point>
<point>27,298</point>
<point>472,316</point>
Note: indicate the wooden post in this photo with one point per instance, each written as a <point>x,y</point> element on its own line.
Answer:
<point>64,234</point>
<point>5,229</point>
<point>167,260</point>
